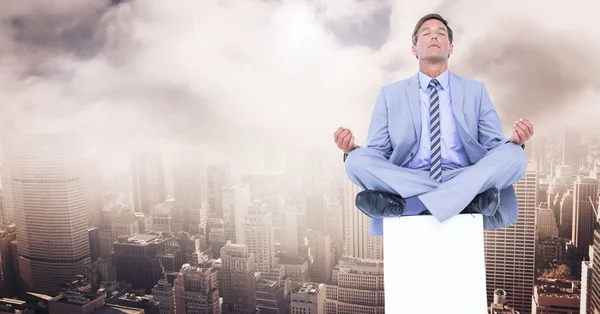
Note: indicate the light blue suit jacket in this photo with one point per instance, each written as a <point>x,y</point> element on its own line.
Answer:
<point>395,127</point>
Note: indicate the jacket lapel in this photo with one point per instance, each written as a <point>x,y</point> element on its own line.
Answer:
<point>414,103</point>
<point>457,91</point>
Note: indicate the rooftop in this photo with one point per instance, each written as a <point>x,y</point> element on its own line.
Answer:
<point>143,238</point>
<point>308,288</point>
<point>558,288</point>
<point>10,305</point>
<point>117,309</point>
<point>76,297</point>
<point>140,301</point>
<point>291,260</point>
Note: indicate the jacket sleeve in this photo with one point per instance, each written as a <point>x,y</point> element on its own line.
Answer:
<point>378,138</point>
<point>490,129</point>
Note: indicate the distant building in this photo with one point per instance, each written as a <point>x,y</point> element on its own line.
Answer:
<point>44,173</point>
<point>143,258</point>
<point>163,293</point>
<point>76,302</point>
<point>356,287</point>
<point>308,298</point>
<point>556,297</point>
<point>146,303</point>
<point>499,305</point>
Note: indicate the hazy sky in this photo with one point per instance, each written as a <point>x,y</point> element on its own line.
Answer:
<point>232,74</point>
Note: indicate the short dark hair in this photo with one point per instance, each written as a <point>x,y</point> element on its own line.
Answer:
<point>431,16</point>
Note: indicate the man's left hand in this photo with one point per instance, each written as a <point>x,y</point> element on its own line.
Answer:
<point>523,130</point>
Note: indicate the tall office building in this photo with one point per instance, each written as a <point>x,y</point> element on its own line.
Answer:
<point>357,241</point>
<point>8,210</point>
<point>270,188</point>
<point>308,298</point>
<point>321,255</point>
<point>46,182</point>
<point>566,215</point>
<point>197,290</point>
<point>584,216</point>
<point>546,224</point>
<point>571,149</point>
<point>561,182</point>
<point>593,286</point>
<point>258,236</point>
<point>238,283</point>
<point>94,190</point>
<point>219,175</point>
<point>356,287</point>
<point>163,293</point>
<point>586,287</point>
<point>334,224</point>
<point>270,296</point>
<point>235,201</point>
<point>190,189</point>
<point>215,233</point>
<point>290,239</point>
<point>149,185</point>
<point>8,273</point>
<point>144,258</point>
<point>510,252</point>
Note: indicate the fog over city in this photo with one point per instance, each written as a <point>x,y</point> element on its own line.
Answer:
<point>232,75</point>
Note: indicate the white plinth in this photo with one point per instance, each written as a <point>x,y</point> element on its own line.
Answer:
<point>432,268</point>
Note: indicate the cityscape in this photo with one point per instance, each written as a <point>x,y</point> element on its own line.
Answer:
<point>166,157</point>
<point>184,235</point>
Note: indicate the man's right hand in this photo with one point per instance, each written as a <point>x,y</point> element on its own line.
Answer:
<point>344,140</point>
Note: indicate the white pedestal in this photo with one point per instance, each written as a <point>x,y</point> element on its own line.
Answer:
<point>432,267</point>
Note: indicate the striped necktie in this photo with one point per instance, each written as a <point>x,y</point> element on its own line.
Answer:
<point>435,144</point>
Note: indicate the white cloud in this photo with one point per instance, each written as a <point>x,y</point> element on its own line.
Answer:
<point>273,66</point>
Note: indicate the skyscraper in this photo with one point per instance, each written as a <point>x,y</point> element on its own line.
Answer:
<point>48,196</point>
<point>197,289</point>
<point>593,286</point>
<point>571,148</point>
<point>237,280</point>
<point>144,258</point>
<point>510,252</point>
<point>190,189</point>
<point>8,211</point>
<point>270,188</point>
<point>357,241</point>
<point>235,201</point>
<point>584,217</point>
<point>163,293</point>
<point>149,186</point>
<point>258,236</point>
<point>356,287</point>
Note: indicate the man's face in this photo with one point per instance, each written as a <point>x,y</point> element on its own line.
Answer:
<point>433,43</point>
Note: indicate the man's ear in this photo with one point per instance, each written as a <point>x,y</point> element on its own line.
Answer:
<point>414,51</point>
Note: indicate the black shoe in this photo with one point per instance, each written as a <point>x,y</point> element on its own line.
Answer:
<point>376,204</point>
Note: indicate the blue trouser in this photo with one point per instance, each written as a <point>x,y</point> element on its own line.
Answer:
<point>500,168</point>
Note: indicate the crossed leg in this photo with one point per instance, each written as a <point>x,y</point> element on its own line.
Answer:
<point>500,168</point>
<point>371,171</point>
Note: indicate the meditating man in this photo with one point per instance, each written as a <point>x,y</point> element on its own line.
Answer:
<point>435,145</point>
